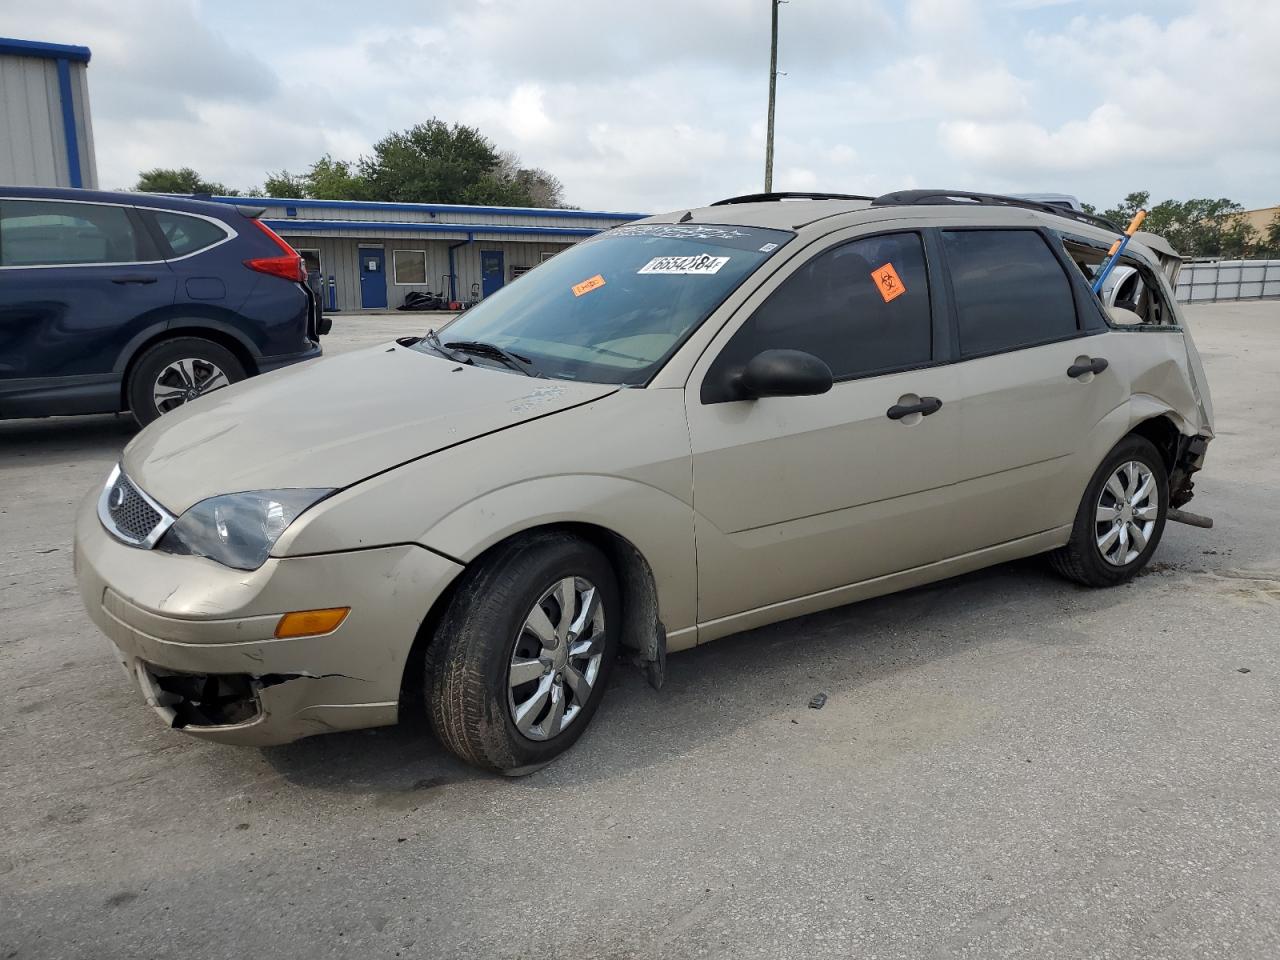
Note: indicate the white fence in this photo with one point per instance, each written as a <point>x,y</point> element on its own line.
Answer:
<point>1228,280</point>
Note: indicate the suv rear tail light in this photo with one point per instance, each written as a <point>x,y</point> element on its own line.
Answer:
<point>288,265</point>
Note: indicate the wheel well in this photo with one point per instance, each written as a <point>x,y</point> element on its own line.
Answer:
<point>642,631</point>
<point>1164,436</point>
<point>204,333</point>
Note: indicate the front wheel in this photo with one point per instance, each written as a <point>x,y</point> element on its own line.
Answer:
<point>524,653</point>
<point>1121,518</point>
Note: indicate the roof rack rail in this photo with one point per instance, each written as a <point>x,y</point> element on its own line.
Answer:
<point>908,198</point>
<point>766,197</point>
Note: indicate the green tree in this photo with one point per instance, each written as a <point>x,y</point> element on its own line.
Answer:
<point>432,162</point>
<point>1196,228</point>
<point>326,179</point>
<point>182,180</point>
<point>330,179</point>
<point>1271,239</point>
<point>1123,212</point>
<point>437,162</point>
<point>285,185</point>
<point>537,187</point>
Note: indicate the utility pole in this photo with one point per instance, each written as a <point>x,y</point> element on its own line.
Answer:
<point>773,86</point>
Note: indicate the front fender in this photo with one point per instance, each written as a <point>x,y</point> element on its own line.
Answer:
<point>462,500</point>
<point>656,523</point>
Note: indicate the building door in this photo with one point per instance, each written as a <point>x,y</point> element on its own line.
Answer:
<point>373,280</point>
<point>492,271</point>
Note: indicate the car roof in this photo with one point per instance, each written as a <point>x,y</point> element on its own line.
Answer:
<point>822,215</point>
<point>158,201</point>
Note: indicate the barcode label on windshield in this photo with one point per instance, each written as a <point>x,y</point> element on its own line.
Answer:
<point>698,263</point>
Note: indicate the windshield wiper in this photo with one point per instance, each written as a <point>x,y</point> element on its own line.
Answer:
<point>433,338</point>
<point>512,360</point>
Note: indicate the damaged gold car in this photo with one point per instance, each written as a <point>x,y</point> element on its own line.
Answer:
<point>682,428</point>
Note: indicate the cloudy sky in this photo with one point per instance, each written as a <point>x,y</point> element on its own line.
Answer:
<point>658,104</point>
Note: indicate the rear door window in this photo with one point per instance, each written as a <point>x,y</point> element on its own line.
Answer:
<point>187,235</point>
<point>40,233</point>
<point>1010,290</point>
<point>862,307</point>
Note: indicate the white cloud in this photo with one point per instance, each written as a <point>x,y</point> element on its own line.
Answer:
<point>1199,91</point>
<point>657,105</point>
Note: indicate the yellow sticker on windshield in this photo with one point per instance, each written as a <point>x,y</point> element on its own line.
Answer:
<point>586,286</point>
<point>888,282</point>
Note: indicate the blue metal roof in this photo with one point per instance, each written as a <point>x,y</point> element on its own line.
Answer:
<point>12,47</point>
<point>293,226</point>
<point>430,208</point>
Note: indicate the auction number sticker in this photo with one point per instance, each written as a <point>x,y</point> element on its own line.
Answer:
<point>586,286</point>
<point>698,263</point>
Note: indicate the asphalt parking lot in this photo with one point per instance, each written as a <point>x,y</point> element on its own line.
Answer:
<point>1006,766</point>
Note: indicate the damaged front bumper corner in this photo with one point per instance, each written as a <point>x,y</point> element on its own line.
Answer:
<point>198,639</point>
<point>1189,460</point>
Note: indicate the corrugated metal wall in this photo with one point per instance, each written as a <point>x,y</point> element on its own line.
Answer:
<point>33,146</point>
<point>1206,281</point>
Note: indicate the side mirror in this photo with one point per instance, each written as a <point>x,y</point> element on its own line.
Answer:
<point>782,373</point>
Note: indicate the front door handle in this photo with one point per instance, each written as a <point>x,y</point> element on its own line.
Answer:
<point>133,278</point>
<point>1096,365</point>
<point>926,406</point>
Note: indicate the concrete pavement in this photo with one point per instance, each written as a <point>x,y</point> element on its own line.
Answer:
<point>1006,766</point>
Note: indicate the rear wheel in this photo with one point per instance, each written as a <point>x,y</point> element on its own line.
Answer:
<point>1121,518</point>
<point>524,653</point>
<point>174,372</point>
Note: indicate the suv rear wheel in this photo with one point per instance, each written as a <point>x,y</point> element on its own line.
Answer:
<point>524,654</point>
<point>1121,518</point>
<point>173,372</point>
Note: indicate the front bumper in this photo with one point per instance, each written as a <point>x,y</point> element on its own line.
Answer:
<point>170,618</point>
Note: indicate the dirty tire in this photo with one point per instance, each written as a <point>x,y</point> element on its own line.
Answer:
<point>142,376</point>
<point>1081,560</point>
<point>468,700</point>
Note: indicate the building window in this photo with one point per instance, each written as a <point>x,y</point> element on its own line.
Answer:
<point>547,255</point>
<point>410,267</point>
<point>519,271</point>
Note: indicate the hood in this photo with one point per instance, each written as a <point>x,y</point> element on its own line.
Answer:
<point>335,422</point>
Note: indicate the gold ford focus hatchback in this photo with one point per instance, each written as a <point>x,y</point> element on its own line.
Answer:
<point>679,429</point>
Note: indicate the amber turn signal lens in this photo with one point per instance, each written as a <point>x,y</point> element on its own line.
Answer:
<point>310,623</point>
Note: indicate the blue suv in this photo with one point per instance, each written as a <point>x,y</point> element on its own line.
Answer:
<point>128,301</point>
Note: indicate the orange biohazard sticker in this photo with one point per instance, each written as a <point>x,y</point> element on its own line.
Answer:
<point>888,282</point>
<point>586,286</point>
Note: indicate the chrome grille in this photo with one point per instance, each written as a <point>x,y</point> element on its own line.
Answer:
<point>130,514</point>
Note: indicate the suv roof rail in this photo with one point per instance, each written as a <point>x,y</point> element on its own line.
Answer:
<point>909,198</point>
<point>787,195</point>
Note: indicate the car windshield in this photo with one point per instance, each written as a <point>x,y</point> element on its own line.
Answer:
<point>613,308</point>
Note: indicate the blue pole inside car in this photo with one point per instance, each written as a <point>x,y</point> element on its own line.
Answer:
<point>1117,248</point>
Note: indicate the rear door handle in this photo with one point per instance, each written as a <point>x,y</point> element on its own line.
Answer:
<point>134,278</point>
<point>926,406</point>
<point>1096,365</point>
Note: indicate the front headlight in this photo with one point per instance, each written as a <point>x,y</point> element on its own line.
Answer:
<point>238,529</point>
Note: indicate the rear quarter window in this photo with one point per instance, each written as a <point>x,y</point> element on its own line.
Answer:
<point>1010,290</point>
<point>186,235</point>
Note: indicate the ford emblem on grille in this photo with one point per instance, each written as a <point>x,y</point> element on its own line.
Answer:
<point>129,514</point>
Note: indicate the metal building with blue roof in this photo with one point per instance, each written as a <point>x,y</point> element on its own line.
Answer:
<point>46,135</point>
<point>370,255</point>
